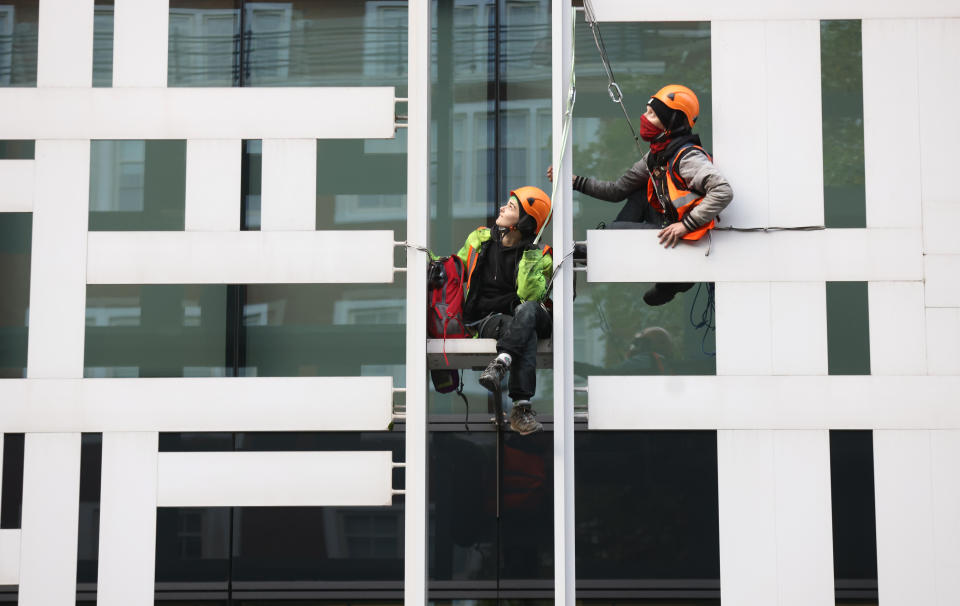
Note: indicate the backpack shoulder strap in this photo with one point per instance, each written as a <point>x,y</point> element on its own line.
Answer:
<point>675,162</point>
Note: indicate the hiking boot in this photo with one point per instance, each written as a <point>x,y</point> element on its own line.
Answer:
<point>664,292</point>
<point>493,374</point>
<point>523,420</point>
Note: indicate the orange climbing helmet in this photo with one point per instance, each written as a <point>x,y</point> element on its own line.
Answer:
<point>534,202</point>
<point>679,98</point>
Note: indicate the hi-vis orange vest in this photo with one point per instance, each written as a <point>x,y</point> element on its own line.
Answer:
<point>667,192</point>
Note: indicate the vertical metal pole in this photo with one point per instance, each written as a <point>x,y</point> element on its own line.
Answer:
<point>418,231</point>
<point>563,503</point>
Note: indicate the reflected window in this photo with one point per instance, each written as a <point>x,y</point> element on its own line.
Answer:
<point>16,230</point>
<point>137,185</point>
<point>103,43</point>
<point>203,43</point>
<point>18,42</point>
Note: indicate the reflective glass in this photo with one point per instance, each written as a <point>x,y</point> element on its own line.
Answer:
<point>11,499</point>
<point>647,506</point>
<point>203,44</point>
<point>16,231</point>
<point>193,544</point>
<point>16,149</point>
<point>103,43</point>
<point>88,537</point>
<point>854,511</point>
<point>848,328</point>
<point>18,42</point>
<point>252,181</point>
<point>138,185</point>
<point>841,86</point>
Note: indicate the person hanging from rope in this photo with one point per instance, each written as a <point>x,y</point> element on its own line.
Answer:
<point>675,187</point>
<point>505,297</point>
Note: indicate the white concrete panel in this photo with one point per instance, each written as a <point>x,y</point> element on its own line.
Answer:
<point>128,519</point>
<point>9,556</point>
<point>906,565</point>
<point>471,353</point>
<point>288,192</point>
<point>197,404</point>
<point>1,469</point>
<point>197,113</point>
<point>65,43</point>
<point>804,517</point>
<point>746,478</point>
<point>797,256</point>
<point>776,402</point>
<point>253,479</point>
<point>58,288</point>
<point>945,456</point>
<point>248,257</point>
<point>18,178</point>
<point>897,328</point>
<point>738,64</point>
<point>743,328</point>
<point>213,197</point>
<point>798,317</point>
<point>48,533</point>
<point>891,154</point>
<point>939,79</point>
<point>793,111</point>
<point>942,284</point>
<point>939,228</point>
<point>705,10</point>
<point>140,43</point>
<point>943,340</point>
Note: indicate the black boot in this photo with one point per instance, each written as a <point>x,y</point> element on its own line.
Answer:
<point>664,292</point>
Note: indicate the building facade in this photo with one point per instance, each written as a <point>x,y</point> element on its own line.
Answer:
<point>213,356</point>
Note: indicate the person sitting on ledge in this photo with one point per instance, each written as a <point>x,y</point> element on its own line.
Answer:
<point>675,187</point>
<point>505,297</point>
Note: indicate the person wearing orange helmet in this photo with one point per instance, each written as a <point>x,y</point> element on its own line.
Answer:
<point>675,187</point>
<point>504,289</point>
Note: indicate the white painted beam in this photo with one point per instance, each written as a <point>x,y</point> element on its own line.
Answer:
<point>941,286</point>
<point>897,328</point>
<point>128,519</point>
<point>58,287</point>
<point>943,340</point>
<point>213,196</point>
<point>743,328</point>
<point>288,194</point>
<point>808,256</point>
<point>140,43</point>
<point>772,402</point>
<point>65,43</point>
<point>9,556</point>
<point>265,479</point>
<point>892,165</point>
<point>906,564</point>
<point>798,316</point>
<point>705,10</point>
<point>197,404</point>
<point>18,180</point>
<point>473,353</point>
<point>198,113</point>
<point>48,534</point>
<point>249,257</point>
<point>945,454</point>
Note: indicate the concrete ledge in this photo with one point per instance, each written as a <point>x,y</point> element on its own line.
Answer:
<point>477,353</point>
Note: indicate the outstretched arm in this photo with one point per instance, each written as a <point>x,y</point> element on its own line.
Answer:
<point>611,191</point>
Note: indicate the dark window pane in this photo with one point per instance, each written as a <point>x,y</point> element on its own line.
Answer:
<point>88,537</point>
<point>252,180</point>
<point>103,43</point>
<point>848,328</point>
<point>193,544</point>
<point>854,513</point>
<point>647,506</point>
<point>11,499</point>
<point>138,185</point>
<point>16,149</point>
<point>16,230</point>
<point>841,85</point>
<point>18,42</point>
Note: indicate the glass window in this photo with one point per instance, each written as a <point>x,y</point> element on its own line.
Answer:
<point>854,514</point>
<point>11,499</point>
<point>88,537</point>
<point>252,181</point>
<point>18,42</point>
<point>841,85</point>
<point>16,230</point>
<point>848,328</point>
<point>16,149</point>
<point>203,44</point>
<point>138,185</point>
<point>103,43</point>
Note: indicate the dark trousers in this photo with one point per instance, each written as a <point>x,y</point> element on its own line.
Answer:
<point>517,335</point>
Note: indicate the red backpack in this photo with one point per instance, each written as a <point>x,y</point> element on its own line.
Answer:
<point>445,319</point>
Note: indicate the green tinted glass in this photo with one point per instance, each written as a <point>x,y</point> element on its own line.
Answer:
<point>848,328</point>
<point>841,85</point>
<point>15,238</point>
<point>252,181</point>
<point>203,43</point>
<point>103,43</point>
<point>18,42</point>
<point>17,149</point>
<point>137,185</point>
